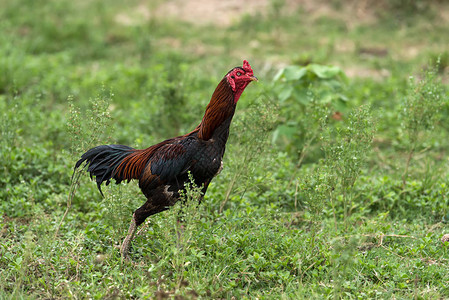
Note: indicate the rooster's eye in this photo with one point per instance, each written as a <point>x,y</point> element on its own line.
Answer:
<point>238,73</point>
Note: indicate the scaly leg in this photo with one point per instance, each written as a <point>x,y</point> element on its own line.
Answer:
<point>129,237</point>
<point>139,217</point>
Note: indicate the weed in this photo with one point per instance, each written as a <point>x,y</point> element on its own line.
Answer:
<point>251,129</point>
<point>93,126</point>
<point>346,147</point>
<point>85,133</point>
<point>420,114</point>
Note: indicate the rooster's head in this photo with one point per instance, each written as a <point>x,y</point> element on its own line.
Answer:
<point>239,77</point>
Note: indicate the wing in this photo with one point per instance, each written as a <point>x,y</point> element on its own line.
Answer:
<point>168,162</point>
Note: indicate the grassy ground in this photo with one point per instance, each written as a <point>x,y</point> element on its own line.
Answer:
<point>335,182</point>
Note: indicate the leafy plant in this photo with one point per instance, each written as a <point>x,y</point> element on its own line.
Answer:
<point>292,86</point>
<point>294,81</point>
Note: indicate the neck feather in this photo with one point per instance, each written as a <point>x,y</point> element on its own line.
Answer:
<point>220,109</point>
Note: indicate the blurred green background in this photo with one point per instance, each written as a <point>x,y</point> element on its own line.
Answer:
<point>335,178</point>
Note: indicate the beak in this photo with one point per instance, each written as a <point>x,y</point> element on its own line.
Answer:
<point>253,78</point>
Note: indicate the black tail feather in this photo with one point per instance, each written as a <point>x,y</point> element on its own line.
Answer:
<point>102,161</point>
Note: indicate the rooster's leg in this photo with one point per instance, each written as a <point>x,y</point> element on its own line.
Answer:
<point>139,217</point>
<point>129,237</point>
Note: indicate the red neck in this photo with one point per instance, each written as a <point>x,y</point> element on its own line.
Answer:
<point>220,109</point>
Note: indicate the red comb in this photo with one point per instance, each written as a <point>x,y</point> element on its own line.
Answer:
<point>247,67</point>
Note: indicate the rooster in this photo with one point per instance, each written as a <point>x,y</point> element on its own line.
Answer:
<point>163,169</point>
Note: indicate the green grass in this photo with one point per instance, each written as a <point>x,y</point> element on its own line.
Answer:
<point>337,189</point>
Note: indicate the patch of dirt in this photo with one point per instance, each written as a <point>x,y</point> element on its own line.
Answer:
<point>352,12</point>
<point>224,13</point>
<point>135,16</point>
<point>221,13</point>
<point>360,72</point>
<point>345,46</point>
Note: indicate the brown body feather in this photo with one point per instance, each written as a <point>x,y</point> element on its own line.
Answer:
<point>134,164</point>
<point>219,109</point>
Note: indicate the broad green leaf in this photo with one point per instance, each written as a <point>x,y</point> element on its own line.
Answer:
<point>324,72</point>
<point>284,132</point>
<point>285,93</point>
<point>278,75</point>
<point>294,72</point>
<point>291,73</point>
<point>300,95</point>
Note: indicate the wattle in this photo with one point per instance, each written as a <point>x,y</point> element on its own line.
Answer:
<point>238,92</point>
